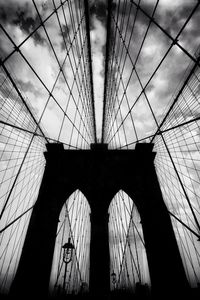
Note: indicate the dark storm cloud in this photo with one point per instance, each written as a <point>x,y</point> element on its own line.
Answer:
<point>28,87</point>
<point>99,9</point>
<point>28,24</point>
<point>170,18</point>
<point>21,15</point>
<point>14,13</point>
<point>25,22</point>
<point>66,35</point>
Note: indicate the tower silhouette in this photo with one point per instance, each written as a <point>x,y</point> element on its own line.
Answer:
<point>99,173</point>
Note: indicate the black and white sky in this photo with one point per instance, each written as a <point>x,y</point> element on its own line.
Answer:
<point>19,18</point>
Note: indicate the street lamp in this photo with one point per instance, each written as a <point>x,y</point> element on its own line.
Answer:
<point>114,278</point>
<point>67,257</point>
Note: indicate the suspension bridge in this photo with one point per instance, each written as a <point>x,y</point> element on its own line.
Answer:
<point>99,147</point>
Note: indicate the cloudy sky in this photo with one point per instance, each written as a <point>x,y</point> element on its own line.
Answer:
<point>171,15</point>
<point>19,18</point>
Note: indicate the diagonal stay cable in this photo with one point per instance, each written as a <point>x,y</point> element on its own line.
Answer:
<point>80,54</point>
<point>160,132</point>
<point>19,217</point>
<point>75,74</point>
<point>109,90</point>
<point>127,47</point>
<point>119,28</point>
<point>172,161</point>
<point>83,65</point>
<point>174,40</point>
<point>68,101</point>
<point>177,173</point>
<point>36,134</point>
<point>30,35</point>
<point>156,69</point>
<point>22,98</point>
<point>126,235</point>
<point>121,117</point>
<point>115,54</point>
<point>131,217</point>
<point>134,64</point>
<point>126,97</point>
<point>41,81</point>
<point>27,151</point>
<point>176,99</point>
<point>181,222</point>
<point>60,67</point>
<point>125,246</point>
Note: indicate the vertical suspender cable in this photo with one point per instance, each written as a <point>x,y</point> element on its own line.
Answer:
<point>106,67</point>
<point>87,23</point>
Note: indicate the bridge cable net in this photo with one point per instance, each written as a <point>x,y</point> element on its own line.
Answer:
<point>74,223</point>
<point>46,82</point>
<point>151,94</point>
<point>47,95</point>
<point>127,247</point>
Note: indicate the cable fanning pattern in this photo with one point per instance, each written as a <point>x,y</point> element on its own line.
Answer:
<point>135,110</point>
<point>57,94</point>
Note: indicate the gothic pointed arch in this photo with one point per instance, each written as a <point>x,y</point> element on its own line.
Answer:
<point>128,260</point>
<point>74,227</point>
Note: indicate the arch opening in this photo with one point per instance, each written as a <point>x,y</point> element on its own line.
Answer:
<point>74,223</point>
<point>128,260</point>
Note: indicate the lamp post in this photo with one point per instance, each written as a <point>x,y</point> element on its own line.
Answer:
<point>67,257</point>
<point>114,278</point>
